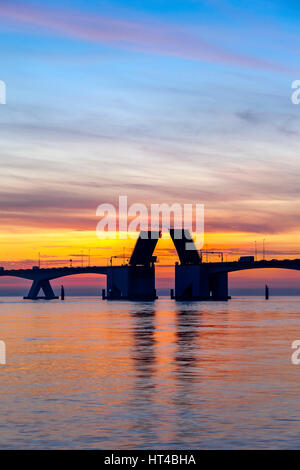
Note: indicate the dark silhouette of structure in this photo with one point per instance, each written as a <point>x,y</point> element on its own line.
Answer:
<point>62,293</point>
<point>132,281</point>
<point>135,281</point>
<point>39,283</point>
<point>197,280</point>
<point>194,279</point>
<point>266,292</point>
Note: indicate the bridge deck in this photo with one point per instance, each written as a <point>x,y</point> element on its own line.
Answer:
<point>54,273</point>
<point>262,264</point>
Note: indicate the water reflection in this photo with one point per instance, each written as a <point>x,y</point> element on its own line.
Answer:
<point>89,374</point>
<point>143,316</point>
<point>144,357</point>
<point>188,320</point>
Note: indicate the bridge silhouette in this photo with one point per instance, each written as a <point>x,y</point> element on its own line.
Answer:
<point>194,279</point>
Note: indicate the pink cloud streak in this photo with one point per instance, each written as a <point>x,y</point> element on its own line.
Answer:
<point>163,40</point>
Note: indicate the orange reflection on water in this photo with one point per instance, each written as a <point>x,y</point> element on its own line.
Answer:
<point>86,373</point>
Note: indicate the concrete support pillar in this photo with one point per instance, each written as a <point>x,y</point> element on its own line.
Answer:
<point>131,282</point>
<point>39,284</point>
<point>219,286</point>
<point>191,282</point>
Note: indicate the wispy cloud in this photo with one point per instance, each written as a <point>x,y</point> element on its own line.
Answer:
<point>144,37</point>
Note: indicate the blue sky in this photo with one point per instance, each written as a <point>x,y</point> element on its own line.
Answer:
<point>148,97</point>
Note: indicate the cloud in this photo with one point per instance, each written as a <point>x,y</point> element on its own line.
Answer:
<point>139,37</point>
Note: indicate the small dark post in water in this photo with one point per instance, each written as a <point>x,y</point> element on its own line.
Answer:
<point>266,292</point>
<point>103,294</point>
<point>62,293</point>
<point>172,293</point>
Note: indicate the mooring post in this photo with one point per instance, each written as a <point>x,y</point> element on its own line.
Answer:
<point>266,292</point>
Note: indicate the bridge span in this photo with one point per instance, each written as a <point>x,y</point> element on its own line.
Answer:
<point>41,278</point>
<point>261,264</point>
<point>123,282</point>
<point>201,281</point>
<point>133,281</point>
<point>209,281</point>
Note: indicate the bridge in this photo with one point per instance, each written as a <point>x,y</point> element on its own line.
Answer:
<point>194,279</point>
<point>123,282</point>
<point>133,281</point>
<point>41,278</point>
<point>209,281</point>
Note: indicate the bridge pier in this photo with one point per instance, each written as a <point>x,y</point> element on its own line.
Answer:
<point>131,283</point>
<point>219,286</point>
<point>135,281</point>
<point>45,286</point>
<point>194,282</point>
<point>191,282</point>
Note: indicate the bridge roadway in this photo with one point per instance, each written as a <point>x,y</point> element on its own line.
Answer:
<point>231,266</point>
<point>54,273</point>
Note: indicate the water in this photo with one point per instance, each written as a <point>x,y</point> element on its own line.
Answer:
<point>86,373</point>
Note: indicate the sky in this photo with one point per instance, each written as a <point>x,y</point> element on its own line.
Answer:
<point>162,101</point>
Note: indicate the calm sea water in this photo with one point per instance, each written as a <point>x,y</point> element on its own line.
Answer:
<point>87,373</point>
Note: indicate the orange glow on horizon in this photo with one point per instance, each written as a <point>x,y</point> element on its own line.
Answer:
<point>58,247</point>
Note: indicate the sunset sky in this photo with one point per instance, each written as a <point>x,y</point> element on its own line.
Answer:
<point>163,101</point>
